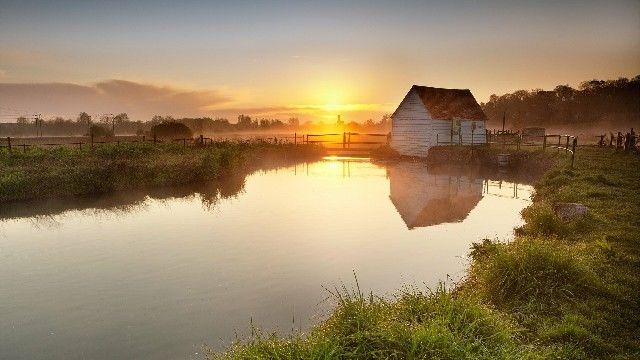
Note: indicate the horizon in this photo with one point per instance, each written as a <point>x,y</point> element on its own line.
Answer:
<point>305,60</point>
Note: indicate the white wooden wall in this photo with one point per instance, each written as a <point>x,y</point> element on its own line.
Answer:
<point>410,127</point>
<point>413,130</point>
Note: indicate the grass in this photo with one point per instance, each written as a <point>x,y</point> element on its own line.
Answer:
<point>560,290</point>
<point>50,173</point>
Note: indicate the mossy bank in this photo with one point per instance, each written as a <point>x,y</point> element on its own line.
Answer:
<point>64,171</point>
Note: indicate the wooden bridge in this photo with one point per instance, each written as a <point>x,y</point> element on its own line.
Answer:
<point>347,143</point>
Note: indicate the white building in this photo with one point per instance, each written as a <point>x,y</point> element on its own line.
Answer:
<point>429,116</point>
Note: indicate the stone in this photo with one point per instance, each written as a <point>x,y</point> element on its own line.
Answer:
<point>570,211</point>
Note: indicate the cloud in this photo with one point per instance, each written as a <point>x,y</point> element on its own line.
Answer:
<point>140,101</point>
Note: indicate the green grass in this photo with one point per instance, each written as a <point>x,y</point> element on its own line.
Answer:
<point>49,173</point>
<point>560,290</point>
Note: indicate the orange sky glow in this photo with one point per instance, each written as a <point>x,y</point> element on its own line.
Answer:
<point>308,60</point>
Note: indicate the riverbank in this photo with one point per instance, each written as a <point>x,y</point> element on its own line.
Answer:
<point>561,289</point>
<point>63,172</point>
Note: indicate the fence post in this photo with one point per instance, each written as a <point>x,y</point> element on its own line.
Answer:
<point>144,138</point>
<point>9,142</point>
<point>155,138</point>
<point>544,142</point>
<point>567,146</point>
<point>295,138</point>
<point>201,140</point>
<point>349,141</point>
<point>573,148</point>
<point>92,141</point>
<point>344,140</point>
<point>519,139</point>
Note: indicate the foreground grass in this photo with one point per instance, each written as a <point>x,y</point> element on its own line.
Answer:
<point>560,290</point>
<point>59,172</point>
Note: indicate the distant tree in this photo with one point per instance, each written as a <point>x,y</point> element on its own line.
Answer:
<point>293,122</point>
<point>59,121</point>
<point>244,122</point>
<point>99,131</point>
<point>121,118</point>
<point>385,121</point>
<point>609,101</point>
<point>171,129</point>
<point>22,120</point>
<point>84,118</point>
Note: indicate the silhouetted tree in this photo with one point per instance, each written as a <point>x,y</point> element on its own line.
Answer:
<point>595,101</point>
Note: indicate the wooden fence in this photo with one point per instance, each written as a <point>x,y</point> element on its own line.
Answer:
<point>348,140</point>
<point>345,140</point>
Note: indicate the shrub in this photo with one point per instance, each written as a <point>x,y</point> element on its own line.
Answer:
<point>538,272</point>
<point>99,131</point>
<point>171,129</point>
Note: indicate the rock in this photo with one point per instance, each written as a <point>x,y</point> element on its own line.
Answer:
<point>570,211</point>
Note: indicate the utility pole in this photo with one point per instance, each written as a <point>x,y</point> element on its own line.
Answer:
<point>38,125</point>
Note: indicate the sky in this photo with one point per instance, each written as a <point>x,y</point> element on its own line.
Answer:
<point>308,59</point>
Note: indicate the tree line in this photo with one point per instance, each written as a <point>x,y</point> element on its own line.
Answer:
<point>120,124</point>
<point>593,103</point>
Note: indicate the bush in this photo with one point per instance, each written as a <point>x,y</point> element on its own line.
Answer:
<point>538,272</point>
<point>171,129</point>
<point>99,131</point>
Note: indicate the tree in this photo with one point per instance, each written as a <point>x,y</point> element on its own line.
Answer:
<point>244,122</point>
<point>613,102</point>
<point>121,118</point>
<point>171,129</point>
<point>84,118</point>
<point>293,122</point>
<point>99,131</point>
<point>22,121</point>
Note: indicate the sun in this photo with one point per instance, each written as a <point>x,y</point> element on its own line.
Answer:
<point>333,100</point>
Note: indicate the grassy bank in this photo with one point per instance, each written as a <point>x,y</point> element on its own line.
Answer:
<point>64,171</point>
<point>561,290</point>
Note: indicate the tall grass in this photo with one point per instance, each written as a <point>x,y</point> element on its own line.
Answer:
<point>413,325</point>
<point>45,173</point>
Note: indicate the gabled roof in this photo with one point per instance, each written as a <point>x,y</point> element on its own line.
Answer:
<point>448,104</point>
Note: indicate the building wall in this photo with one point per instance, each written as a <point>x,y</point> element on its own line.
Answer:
<point>414,131</point>
<point>410,127</point>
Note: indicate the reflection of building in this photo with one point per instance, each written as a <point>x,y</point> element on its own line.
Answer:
<point>424,199</point>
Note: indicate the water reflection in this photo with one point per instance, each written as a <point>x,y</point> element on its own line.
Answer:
<point>424,198</point>
<point>153,275</point>
<point>209,194</point>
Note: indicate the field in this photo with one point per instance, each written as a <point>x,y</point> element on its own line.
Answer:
<point>561,289</point>
<point>70,171</point>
